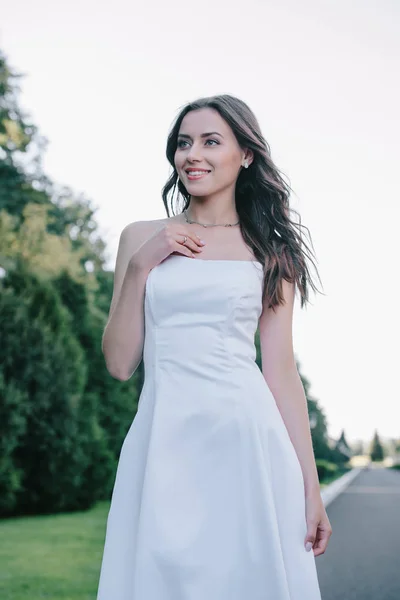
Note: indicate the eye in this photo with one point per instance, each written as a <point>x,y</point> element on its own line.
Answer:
<point>181,142</point>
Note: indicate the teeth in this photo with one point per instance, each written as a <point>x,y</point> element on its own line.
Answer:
<point>197,172</point>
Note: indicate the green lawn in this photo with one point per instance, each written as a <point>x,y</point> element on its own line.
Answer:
<point>56,557</point>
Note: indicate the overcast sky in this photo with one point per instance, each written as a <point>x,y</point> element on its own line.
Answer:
<point>104,81</point>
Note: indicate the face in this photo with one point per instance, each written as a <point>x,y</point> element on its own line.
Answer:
<point>206,143</point>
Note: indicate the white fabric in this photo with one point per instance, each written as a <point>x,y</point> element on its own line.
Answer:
<point>208,502</point>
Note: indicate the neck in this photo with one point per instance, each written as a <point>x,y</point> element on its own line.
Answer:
<point>211,215</point>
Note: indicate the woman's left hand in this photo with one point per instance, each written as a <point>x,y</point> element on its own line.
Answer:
<point>319,529</point>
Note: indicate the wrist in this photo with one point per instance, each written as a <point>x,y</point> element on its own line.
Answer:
<point>312,490</point>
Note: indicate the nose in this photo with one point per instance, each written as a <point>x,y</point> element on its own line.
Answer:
<point>193,154</point>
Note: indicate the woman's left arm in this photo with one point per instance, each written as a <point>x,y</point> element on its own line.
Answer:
<point>281,374</point>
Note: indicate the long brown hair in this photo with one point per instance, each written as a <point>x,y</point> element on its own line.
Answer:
<point>262,202</point>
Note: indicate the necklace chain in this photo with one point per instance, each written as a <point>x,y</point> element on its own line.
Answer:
<point>211,225</point>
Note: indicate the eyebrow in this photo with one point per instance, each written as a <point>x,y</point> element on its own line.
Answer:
<point>203,135</point>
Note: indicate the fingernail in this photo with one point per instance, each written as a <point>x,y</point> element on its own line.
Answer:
<point>308,546</point>
<point>202,242</point>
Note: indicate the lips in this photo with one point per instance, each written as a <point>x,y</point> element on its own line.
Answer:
<point>196,174</point>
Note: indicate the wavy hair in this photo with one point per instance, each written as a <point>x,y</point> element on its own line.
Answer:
<point>261,198</point>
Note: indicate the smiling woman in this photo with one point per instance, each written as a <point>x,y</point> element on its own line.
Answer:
<point>221,136</point>
<point>216,495</point>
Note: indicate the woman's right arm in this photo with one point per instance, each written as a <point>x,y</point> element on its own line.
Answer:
<point>123,336</point>
<point>142,245</point>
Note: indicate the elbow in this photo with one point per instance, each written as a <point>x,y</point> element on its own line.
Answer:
<point>117,373</point>
<point>112,364</point>
<point>120,363</point>
<point>121,376</point>
<point>118,370</point>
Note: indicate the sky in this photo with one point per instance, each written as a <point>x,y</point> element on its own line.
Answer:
<point>104,81</point>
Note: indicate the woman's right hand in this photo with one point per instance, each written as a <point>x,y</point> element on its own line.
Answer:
<point>169,239</point>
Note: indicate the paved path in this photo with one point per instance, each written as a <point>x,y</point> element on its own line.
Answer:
<point>362,561</point>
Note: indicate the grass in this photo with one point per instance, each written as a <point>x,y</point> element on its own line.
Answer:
<point>57,557</point>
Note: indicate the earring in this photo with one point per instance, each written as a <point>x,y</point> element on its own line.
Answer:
<point>246,164</point>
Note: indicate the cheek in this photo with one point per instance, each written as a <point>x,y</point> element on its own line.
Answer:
<point>227,166</point>
<point>178,160</point>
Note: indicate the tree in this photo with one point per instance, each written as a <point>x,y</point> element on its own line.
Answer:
<point>376,451</point>
<point>62,416</point>
<point>341,451</point>
<point>42,363</point>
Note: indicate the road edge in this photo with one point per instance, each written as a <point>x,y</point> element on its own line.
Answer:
<point>331,491</point>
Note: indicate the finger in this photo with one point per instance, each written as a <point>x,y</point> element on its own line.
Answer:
<point>183,249</point>
<point>177,232</point>
<point>190,242</point>
<point>309,544</point>
<point>318,550</point>
<point>311,535</point>
<point>321,542</point>
<point>196,239</point>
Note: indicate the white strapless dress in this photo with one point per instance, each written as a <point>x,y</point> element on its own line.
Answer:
<point>208,501</point>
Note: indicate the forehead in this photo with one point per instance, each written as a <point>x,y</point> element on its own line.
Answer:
<point>203,120</point>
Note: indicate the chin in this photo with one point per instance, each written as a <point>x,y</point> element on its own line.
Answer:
<point>200,191</point>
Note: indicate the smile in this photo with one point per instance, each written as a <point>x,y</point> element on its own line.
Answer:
<point>192,175</point>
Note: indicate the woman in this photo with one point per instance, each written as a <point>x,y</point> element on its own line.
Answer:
<point>216,495</point>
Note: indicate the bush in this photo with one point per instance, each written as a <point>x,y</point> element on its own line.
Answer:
<point>13,422</point>
<point>43,367</point>
<point>325,469</point>
<point>59,437</point>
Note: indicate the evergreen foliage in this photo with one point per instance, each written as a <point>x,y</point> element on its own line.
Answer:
<point>62,417</point>
<point>376,452</point>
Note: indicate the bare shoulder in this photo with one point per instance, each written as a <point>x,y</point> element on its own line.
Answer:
<point>132,237</point>
<point>136,233</point>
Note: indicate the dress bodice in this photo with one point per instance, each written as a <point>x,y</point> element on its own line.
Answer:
<point>202,313</point>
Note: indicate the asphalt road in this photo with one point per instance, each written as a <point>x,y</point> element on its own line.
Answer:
<point>362,561</point>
